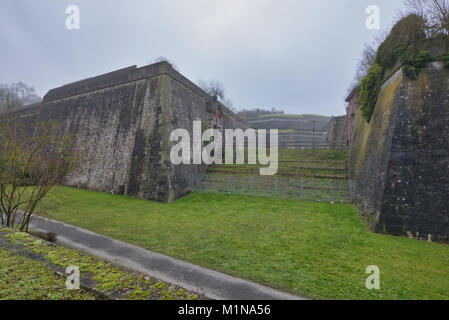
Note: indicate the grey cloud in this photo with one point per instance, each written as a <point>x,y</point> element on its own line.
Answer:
<point>296,55</point>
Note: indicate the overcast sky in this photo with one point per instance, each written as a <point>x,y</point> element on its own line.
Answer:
<point>295,55</point>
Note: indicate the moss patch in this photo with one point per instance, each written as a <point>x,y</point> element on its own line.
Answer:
<point>112,280</point>
<point>370,89</point>
<point>22,278</point>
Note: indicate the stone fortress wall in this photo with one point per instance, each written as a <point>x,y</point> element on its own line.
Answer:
<point>123,120</point>
<point>399,162</point>
<point>335,131</point>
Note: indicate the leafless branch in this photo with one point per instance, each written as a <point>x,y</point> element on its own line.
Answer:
<point>32,162</point>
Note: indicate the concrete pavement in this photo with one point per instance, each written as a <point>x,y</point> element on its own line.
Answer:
<point>213,284</point>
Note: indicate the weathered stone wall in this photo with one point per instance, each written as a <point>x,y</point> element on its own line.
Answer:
<point>186,106</point>
<point>399,162</point>
<point>335,134</point>
<point>351,110</point>
<point>123,121</point>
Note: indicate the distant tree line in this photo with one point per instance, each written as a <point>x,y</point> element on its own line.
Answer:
<point>255,113</point>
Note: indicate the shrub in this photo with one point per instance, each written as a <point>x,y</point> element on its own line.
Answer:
<point>404,44</point>
<point>413,63</point>
<point>407,35</point>
<point>370,89</point>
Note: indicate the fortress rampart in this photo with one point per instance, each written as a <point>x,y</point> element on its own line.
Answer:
<point>123,121</point>
<point>399,162</point>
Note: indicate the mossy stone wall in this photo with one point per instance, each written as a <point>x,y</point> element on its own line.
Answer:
<point>399,162</point>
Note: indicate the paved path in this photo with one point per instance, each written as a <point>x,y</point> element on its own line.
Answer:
<point>213,284</point>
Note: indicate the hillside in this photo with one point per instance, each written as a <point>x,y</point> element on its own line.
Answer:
<point>303,122</point>
<point>295,131</point>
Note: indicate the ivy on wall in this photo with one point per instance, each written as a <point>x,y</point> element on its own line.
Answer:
<point>370,89</point>
<point>405,45</point>
<point>412,64</point>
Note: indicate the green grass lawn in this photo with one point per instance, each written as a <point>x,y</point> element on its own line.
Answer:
<point>314,249</point>
<point>313,155</point>
<point>295,162</point>
<point>297,188</point>
<point>302,174</point>
<point>24,279</point>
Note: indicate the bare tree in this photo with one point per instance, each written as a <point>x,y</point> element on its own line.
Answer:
<point>249,114</point>
<point>435,13</point>
<point>16,95</point>
<point>229,104</point>
<point>416,6</point>
<point>366,61</point>
<point>31,163</point>
<point>213,87</point>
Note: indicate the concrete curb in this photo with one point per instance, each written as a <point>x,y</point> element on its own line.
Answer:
<point>213,284</point>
